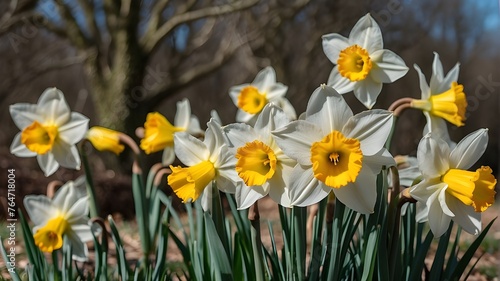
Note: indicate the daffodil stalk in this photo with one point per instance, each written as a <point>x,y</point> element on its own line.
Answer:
<point>254,218</point>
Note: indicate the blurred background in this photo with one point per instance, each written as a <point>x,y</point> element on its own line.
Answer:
<point>117,60</point>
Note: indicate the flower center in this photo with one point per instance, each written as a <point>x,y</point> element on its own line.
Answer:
<point>50,237</point>
<point>449,105</point>
<point>354,63</point>
<point>336,159</point>
<point>158,133</point>
<point>39,138</point>
<point>476,189</point>
<point>189,183</point>
<point>256,163</point>
<point>251,100</point>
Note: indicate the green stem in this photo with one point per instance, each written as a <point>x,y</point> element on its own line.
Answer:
<point>94,210</point>
<point>218,218</point>
<point>254,217</point>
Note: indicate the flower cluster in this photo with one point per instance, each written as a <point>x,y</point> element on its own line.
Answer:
<point>329,150</point>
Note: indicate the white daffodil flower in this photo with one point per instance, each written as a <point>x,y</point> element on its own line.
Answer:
<point>336,151</point>
<point>251,98</point>
<point>159,133</point>
<point>209,161</point>
<point>49,131</point>
<point>63,217</point>
<point>448,190</point>
<point>442,100</point>
<point>262,165</point>
<point>362,65</point>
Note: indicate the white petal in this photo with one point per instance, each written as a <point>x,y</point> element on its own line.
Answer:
<point>439,128</point>
<point>305,189</point>
<point>382,158</point>
<point>246,196</point>
<point>168,156</point>
<point>66,155</point>
<point>296,139</point>
<point>47,163</point>
<point>234,92</point>
<point>366,33</point>
<point>215,116</point>
<point>388,68</point>
<point>83,231</point>
<point>194,126</point>
<point>333,44</point>
<point>225,159</point>
<point>328,110</point>
<point>243,117</point>
<point>278,190</point>
<point>206,198</point>
<point>276,91</point>
<point>371,128</point>
<point>24,114</point>
<point>183,114</point>
<point>54,107</point>
<point>65,197</point>
<point>189,149</point>
<point>73,131</point>
<point>438,220</point>
<point>213,138</point>
<point>78,248</point>
<point>228,180</point>
<point>270,118</point>
<point>423,190</point>
<point>424,87</point>
<point>288,109</point>
<point>422,213</point>
<point>437,74</point>
<point>19,149</point>
<point>78,210</point>
<point>39,208</point>
<point>442,201</point>
<point>341,84</point>
<point>360,195</point>
<point>265,79</point>
<point>465,216</point>
<point>433,156</point>
<point>469,149</point>
<point>367,91</point>
<point>238,134</point>
<point>452,76</point>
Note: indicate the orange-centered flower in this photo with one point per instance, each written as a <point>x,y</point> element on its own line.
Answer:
<point>354,63</point>
<point>189,183</point>
<point>256,163</point>
<point>251,100</point>
<point>476,189</point>
<point>50,237</point>
<point>336,159</point>
<point>39,138</point>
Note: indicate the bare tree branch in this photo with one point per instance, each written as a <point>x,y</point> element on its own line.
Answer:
<point>155,17</point>
<point>73,30</point>
<point>149,43</point>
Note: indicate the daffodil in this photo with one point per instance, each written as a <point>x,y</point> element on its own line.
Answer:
<point>49,131</point>
<point>252,98</point>
<point>448,190</point>
<point>62,217</point>
<point>336,151</point>
<point>442,100</point>
<point>261,164</point>
<point>104,139</point>
<point>159,132</point>
<point>362,65</point>
<point>208,162</point>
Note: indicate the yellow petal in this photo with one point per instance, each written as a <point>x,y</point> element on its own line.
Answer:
<point>50,237</point>
<point>354,63</point>
<point>189,183</point>
<point>476,189</point>
<point>336,159</point>
<point>158,133</point>
<point>39,138</point>
<point>104,139</point>
<point>251,100</point>
<point>256,163</point>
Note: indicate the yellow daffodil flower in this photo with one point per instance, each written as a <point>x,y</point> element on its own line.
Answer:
<point>362,65</point>
<point>261,164</point>
<point>159,132</point>
<point>49,131</point>
<point>251,98</point>
<point>104,139</point>
<point>448,190</point>
<point>337,151</point>
<point>62,217</point>
<point>208,161</point>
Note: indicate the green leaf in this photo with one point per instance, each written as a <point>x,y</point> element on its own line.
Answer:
<point>218,256</point>
<point>12,270</point>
